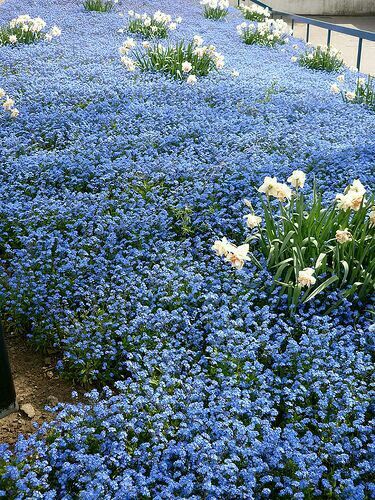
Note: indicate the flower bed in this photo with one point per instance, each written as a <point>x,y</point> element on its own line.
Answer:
<point>114,186</point>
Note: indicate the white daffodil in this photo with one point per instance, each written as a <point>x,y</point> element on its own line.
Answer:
<point>186,67</point>
<point>297,179</point>
<point>252,220</point>
<point>222,247</point>
<point>8,103</point>
<point>237,256</point>
<point>343,236</point>
<point>191,80</point>
<point>350,95</point>
<point>283,192</point>
<point>14,112</point>
<point>198,40</point>
<point>306,278</point>
<point>269,186</point>
<point>55,31</point>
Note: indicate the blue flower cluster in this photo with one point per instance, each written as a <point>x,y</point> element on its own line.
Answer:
<point>113,188</point>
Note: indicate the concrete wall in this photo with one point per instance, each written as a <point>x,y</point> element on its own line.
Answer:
<point>324,7</point>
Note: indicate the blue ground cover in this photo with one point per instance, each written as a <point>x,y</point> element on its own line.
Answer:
<point>114,186</point>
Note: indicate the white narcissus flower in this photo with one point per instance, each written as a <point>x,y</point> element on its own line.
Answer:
<point>48,37</point>
<point>306,278</point>
<point>352,197</point>
<point>357,187</point>
<point>198,40</point>
<point>222,247</point>
<point>8,104</point>
<point>173,26</point>
<point>13,39</point>
<point>297,179</point>
<point>14,113</point>
<point>2,93</point>
<point>191,80</point>
<point>55,31</point>
<point>283,192</point>
<point>186,67</point>
<point>146,45</point>
<point>372,218</point>
<point>130,42</point>
<point>252,220</point>
<point>344,201</point>
<point>178,20</point>
<point>343,236</point>
<point>335,88</point>
<point>238,255</point>
<point>361,82</point>
<point>269,186</point>
<point>128,63</point>
<point>294,59</point>
<point>199,51</point>
<point>122,50</point>
<point>219,64</point>
<point>350,95</point>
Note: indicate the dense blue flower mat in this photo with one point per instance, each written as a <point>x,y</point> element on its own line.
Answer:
<point>113,188</point>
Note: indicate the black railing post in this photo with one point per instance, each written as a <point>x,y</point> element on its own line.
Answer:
<point>307,33</point>
<point>8,402</point>
<point>359,53</point>
<point>329,38</point>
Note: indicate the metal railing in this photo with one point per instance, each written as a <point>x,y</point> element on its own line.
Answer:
<point>295,18</point>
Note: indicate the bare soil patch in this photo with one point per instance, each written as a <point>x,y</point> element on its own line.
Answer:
<point>37,384</point>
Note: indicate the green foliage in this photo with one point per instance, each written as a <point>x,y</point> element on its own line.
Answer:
<point>25,37</point>
<point>99,5</point>
<point>215,13</point>
<point>255,13</point>
<point>23,29</point>
<point>182,220</point>
<point>321,58</point>
<point>157,29</point>
<point>334,244</point>
<point>364,93</point>
<point>268,33</point>
<point>171,59</point>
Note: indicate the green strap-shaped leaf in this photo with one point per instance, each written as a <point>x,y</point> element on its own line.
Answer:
<point>321,287</point>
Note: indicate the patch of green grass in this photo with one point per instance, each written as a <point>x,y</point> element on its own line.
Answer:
<point>99,5</point>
